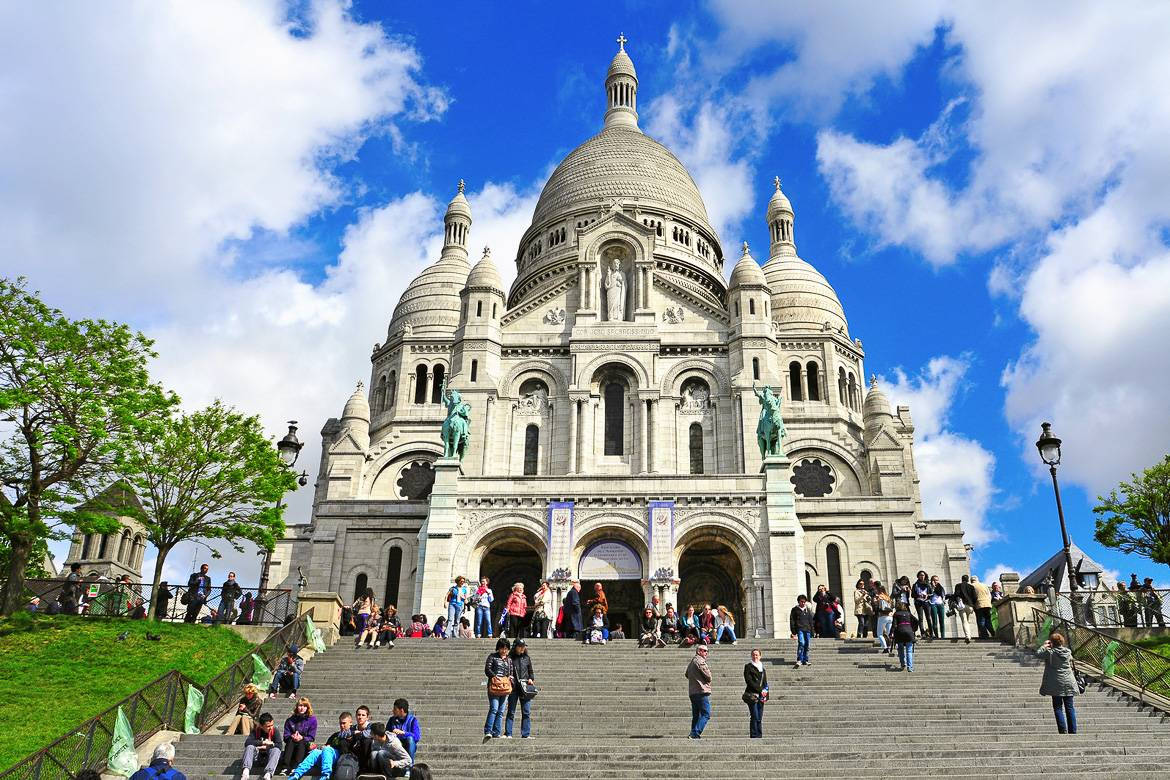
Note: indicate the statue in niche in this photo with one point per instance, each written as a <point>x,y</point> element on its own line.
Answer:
<point>615,288</point>
<point>695,397</point>
<point>534,402</point>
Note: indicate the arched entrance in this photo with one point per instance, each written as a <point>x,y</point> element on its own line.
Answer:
<point>617,566</point>
<point>505,564</point>
<point>710,573</point>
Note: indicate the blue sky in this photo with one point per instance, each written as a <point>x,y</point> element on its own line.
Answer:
<point>254,183</point>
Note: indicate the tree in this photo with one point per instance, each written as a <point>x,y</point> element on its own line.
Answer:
<point>210,474</point>
<point>1135,518</point>
<point>74,394</point>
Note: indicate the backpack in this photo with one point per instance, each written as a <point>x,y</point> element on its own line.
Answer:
<point>883,607</point>
<point>345,767</point>
<point>157,775</point>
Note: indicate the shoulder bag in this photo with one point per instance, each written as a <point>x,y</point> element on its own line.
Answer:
<point>500,686</point>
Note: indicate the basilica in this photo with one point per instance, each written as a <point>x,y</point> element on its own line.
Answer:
<point>614,394</point>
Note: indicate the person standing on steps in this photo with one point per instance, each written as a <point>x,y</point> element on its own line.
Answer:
<point>698,676</point>
<point>483,609</point>
<point>800,625</point>
<point>523,680</point>
<point>498,670</point>
<point>573,625</point>
<point>883,607</point>
<point>937,603</point>
<point>965,597</point>
<point>982,608</point>
<point>920,592</point>
<point>905,632</point>
<point>456,600</point>
<point>198,588</point>
<point>1060,682</point>
<point>862,609</point>
<point>517,608</point>
<point>541,610</point>
<point>755,694</point>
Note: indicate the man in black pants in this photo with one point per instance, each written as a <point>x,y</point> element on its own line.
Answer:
<point>198,588</point>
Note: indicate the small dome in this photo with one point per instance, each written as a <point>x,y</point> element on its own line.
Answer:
<point>430,305</point>
<point>357,407</point>
<point>802,299</point>
<point>458,205</point>
<point>621,65</point>
<point>747,271</point>
<point>485,273</point>
<point>779,201</point>
<point>877,405</point>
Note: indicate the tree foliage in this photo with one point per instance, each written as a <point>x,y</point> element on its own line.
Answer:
<point>210,474</point>
<point>74,395</point>
<point>1135,518</point>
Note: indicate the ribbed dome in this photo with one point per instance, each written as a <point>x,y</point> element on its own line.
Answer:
<point>485,273</point>
<point>621,65</point>
<point>746,271</point>
<point>802,299</point>
<point>459,205</point>
<point>877,406</point>
<point>357,407</point>
<point>430,304</point>
<point>778,202</point>
<point>620,163</point>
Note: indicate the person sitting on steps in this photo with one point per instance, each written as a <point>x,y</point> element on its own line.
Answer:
<point>161,767</point>
<point>668,629</point>
<point>247,711</point>
<point>287,677</point>
<point>724,626</point>
<point>340,743</point>
<point>405,726</point>
<point>300,729</point>
<point>264,743</point>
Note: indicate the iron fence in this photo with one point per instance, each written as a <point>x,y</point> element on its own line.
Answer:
<point>97,598</point>
<point>160,705</point>
<point>1112,659</point>
<point>1106,608</point>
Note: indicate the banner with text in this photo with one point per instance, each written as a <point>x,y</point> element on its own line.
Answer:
<point>560,534</point>
<point>661,534</point>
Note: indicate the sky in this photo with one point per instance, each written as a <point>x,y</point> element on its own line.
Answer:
<point>253,184</point>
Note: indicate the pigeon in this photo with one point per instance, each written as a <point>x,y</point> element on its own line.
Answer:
<point>153,637</point>
<point>122,636</point>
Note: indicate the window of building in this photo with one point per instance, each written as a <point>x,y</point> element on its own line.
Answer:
<point>420,384</point>
<point>474,370</point>
<point>531,449</point>
<point>696,444</point>
<point>795,392</point>
<point>440,372</point>
<point>615,420</point>
<point>841,386</point>
<point>393,574</point>
<point>86,546</point>
<point>814,387</point>
<point>833,561</point>
<point>755,368</point>
<point>361,586</point>
<point>479,308</point>
<point>105,546</point>
<point>751,305</point>
<point>392,390</point>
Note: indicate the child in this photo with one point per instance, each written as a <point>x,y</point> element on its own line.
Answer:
<point>440,628</point>
<point>596,635</point>
<point>465,631</point>
<point>369,633</point>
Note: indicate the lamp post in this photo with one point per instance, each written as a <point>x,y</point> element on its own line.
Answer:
<point>1049,447</point>
<point>290,449</point>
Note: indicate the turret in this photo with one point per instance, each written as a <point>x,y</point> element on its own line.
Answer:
<point>457,225</point>
<point>355,418</point>
<point>780,218</point>
<point>478,339</point>
<point>621,90</point>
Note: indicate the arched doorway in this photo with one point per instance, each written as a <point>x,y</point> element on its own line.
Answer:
<point>710,573</point>
<point>617,566</point>
<point>505,564</point>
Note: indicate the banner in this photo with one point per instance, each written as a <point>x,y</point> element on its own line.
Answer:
<point>560,534</point>
<point>661,533</point>
<point>611,560</point>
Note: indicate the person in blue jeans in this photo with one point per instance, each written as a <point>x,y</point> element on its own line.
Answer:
<point>483,599</point>
<point>698,676</point>
<point>522,675</point>
<point>905,628</point>
<point>1060,682</point>
<point>801,621</point>
<point>498,670</point>
<point>724,626</point>
<point>339,743</point>
<point>405,726</point>
<point>456,600</point>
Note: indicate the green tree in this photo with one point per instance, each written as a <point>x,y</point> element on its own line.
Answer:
<point>74,394</point>
<point>1135,518</point>
<point>210,474</point>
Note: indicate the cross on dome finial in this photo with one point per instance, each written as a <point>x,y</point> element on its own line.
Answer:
<point>745,249</point>
<point>622,39</point>
<point>777,181</point>
<point>360,385</point>
<point>461,185</point>
<point>873,381</point>
<point>487,251</point>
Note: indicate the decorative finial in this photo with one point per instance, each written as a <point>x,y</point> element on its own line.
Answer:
<point>621,39</point>
<point>777,182</point>
<point>461,185</point>
<point>873,381</point>
<point>487,252</point>
<point>360,385</point>
<point>745,249</point>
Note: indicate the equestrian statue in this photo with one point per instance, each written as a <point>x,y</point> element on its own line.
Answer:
<point>456,431</point>
<point>770,430</point>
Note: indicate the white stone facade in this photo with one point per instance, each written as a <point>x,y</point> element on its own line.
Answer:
<point>618,370</point>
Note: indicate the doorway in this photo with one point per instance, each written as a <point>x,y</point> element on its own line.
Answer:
<point>504,565</point>
<point>710,573</point>
<point>626,602</point>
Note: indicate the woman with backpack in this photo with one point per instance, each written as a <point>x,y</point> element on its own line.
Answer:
<point>1060,682</point>
<point>883,607</point>
<point>905,628</point>
<point>498,670</point>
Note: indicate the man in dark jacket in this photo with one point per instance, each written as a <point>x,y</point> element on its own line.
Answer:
<point>340,743</point>
<point>264,744</point>
<point>572,611</point>
<point>161,765</point>
<point>800,625</point>
<point>522,676</point>
<point>964,592</point>
<point>198,588</point>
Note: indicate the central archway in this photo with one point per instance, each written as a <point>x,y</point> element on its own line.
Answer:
<point>710,572</point>
<point>505,564</point>
<point>615,557</point>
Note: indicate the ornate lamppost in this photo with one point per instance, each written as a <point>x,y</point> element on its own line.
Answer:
<point>290,449</point>
<point>1049,447</point>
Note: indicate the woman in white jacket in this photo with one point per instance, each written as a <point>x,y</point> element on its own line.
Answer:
<point>542,611</point>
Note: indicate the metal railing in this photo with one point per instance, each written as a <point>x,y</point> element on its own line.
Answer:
<point>112,599</point>
<point>1116,609</point>
<point>160,705</point>
<point>1141,671</point>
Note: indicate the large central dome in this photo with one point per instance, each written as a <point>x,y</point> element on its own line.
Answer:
<point>620,163</point>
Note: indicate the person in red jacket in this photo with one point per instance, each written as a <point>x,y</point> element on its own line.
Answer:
<point>517,608</point>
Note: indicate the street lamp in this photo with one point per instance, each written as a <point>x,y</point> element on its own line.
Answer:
<point>290,449</point>
<point>1049,447</point>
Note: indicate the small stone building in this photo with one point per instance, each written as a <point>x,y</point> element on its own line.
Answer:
<point>114,554</point>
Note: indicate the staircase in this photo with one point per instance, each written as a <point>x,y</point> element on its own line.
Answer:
<point>617,711</point>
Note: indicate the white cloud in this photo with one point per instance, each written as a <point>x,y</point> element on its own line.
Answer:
<point>956,472</point>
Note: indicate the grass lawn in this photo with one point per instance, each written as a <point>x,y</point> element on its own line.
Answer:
<point>56,672</point>
<point>1158,644</point>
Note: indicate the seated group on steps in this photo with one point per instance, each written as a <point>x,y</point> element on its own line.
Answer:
<point>359,746</point>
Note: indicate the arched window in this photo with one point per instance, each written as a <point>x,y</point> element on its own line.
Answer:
<point>751,305</point>
<point>420,384</point>
<point>841,386</point>
<point>814,387</point>
<point>493,311</point>
<point>755,368</point>
<point>807,583</point>
<point>479,308</point>
<point>86,546</point>
<point>833,566</point>
<point>393,573</point>
<point>392,389</point>
<point>436,393</point>
<point>696,444</point>
<point>474,370</point>
<point>615,420</point>
<point>124,547</point>
<point>531,449</point>
<point>104,547</point>
<point>380,395</point>
<point>361,586</point>
<point>852,391</point>
<point>139,550</point>
<point>794,392</point>
<point>737,308</point>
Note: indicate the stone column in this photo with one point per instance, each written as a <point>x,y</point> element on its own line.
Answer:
<point>804,383</point>
<point>574,410</point>
<point>436,547</point>
<point>486,438</point>
<point>715,437</point>
<point>587,437</point>
<point>785,540</point>
<point>642,433</point>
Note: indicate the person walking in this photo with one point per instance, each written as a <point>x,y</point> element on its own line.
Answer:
<point>755,694</point>
<point>938,606</point>
<point>198,588</point>
<point>572,625</point>
<point>920,593</point>
<point>800,625</point>
<point>883,607</point>
<point>698,676</point>
<point>523,681</point>
<point>982,608</point>
<point>456,600</point>
<point>516,608</point>
<point>498,670</point>
<point>483,608</point>
<point>1060,682</point>
<point>905,633</point>
<point>964,601</point>
<point>862,609</point>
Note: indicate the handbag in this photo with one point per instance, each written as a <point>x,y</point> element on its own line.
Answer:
<point>529,692</point>
<point>185,598</point>
<point>500,686</point>
<point>750,698</point>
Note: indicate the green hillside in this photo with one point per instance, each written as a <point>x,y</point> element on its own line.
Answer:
<point>56,672</point>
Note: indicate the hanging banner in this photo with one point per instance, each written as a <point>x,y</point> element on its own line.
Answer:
<point>610,560</point>
<point>560,534</point>
<point>661,533</point>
